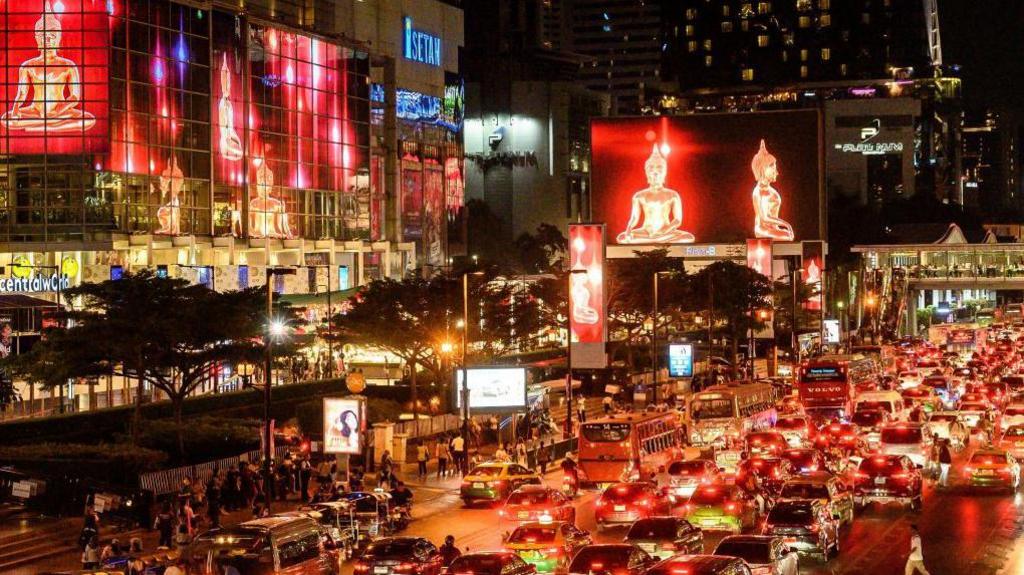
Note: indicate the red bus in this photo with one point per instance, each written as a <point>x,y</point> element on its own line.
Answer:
<point>629,446</point>
<point>827,384</point>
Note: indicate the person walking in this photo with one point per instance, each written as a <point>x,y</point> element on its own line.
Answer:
<point>422,457</point>
<point>521,457</point>
<point>543,457</point>
<point>91,553</point>
<point>458,447</point>
<point>945,461</point>
<point>606,404</point>
<point>500,454</point>
<point>441,453</point>
<point>214,502</point>
<point>164,523</point>
<point>915,561</point>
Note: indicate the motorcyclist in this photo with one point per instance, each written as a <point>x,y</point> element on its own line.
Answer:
<point>449,552</point>
<point>571,471</point>
<point>401,495</point>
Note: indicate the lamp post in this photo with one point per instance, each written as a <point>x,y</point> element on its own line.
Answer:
<point>465,370</point>
<point>568,353</point>
<point>272,326</point>
<point>655,356</point>
<point>842,321</point>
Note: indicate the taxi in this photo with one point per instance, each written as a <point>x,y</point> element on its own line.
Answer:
<point>624,503</point>
<point>534,502</point>
<point>797,429</point>
<point>495,481</point>
<point>547,545</point>
<point>992,468</point>
<point>825,487</point>
<point>971,413</point>
<point>721,507</point>
<point>687,475</point>
<point>1013,440</point>
<point>771,471</point>
<point>765,443</point>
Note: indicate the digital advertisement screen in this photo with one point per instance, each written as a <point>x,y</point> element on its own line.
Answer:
<point>493,388</point>
<point>812,268</point>
<point>680,360</point>
<point>707,178</point>
<point>831,331</point>
<point>344,425</point>
<point>587,311</point>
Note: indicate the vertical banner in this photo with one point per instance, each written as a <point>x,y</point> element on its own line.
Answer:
<point>812,267</point>
<point>759,256</point>
<point>344,425</point>
<point>588,324</point>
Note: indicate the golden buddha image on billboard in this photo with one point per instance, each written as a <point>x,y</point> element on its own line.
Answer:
<point>656,212</point>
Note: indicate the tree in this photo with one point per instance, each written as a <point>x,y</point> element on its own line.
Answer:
<point>541,252</point>
<point>731,292</point>
<point>783,303</point>
<point>160,331</point>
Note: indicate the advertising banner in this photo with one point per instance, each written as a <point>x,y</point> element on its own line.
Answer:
<point>812,268</point>
<point>588,324</point>
<point>493,389</point>
<point>759,256</point>
<point>708,178</point>
<point>680,360</point>
<point>832,335</point>
<point>344,425</point>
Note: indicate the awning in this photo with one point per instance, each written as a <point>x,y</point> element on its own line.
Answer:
<point>308,299</point>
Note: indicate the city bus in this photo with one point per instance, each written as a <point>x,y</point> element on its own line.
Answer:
<point>827,384</point>
<point>626,447</point>
<point>723,414</point>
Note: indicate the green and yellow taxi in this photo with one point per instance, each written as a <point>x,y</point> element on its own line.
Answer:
<point>993,468</point>
<point>547,545</point>
<point>721,507</point>
<point>494,481</point>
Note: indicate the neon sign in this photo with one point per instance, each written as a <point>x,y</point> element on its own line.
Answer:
<point>420,46</point>
<point>417,106</point>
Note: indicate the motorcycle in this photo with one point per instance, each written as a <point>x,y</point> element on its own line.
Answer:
<point>400,517</point>
<point>570,484</point>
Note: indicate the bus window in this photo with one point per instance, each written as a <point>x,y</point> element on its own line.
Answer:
<point>711,408</point>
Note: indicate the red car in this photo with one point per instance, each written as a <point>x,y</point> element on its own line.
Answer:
<point>805,460</point>
<point>624,503</point>
<point>797,429</point>
<point>842,435</point>
<point>886,479</point>
<point>532,502</point>
<point>765,443</point>
<point>771,471</point>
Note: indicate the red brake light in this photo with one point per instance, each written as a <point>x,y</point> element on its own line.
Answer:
<point>621,489</point>
<point>596,566</point>
<point>668,546</point>
<point>731,507</point>
<point>599,502</point>
<point>555,551</point>
<point>361,567</point>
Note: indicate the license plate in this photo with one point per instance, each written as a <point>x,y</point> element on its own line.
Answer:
<point>709,522</point>
<point>380,569</point>
<point>620,508</point>
<point>986,472</point>
<point>879,481</point>
<point>478,485</point>
<point>524,514</point>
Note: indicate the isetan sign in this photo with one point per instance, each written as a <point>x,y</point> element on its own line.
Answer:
<point>420,46</point>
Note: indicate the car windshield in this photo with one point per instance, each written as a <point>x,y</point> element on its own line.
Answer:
<point>623,493</point>
<point>804,491</point>
<point>392,548</point>
<point>711,408</point>
<point>755,552</point>
<point>791,423</point>
<point>486,471</point>
<point>710,495</point>
<point>800,458</point>
<point>942,417</point>
<point>901,435</point>
<point>658,528</point>
<point>761,438</point>
<point>759,466</point>
<point>867,418</point>
<point>988,458</point>
<point>606,432</point>
<point>532,535</point>
<point>794,514</point>
<point>695,467</point>
<point>874,406</point>
<point>477,564</point>
<point>600,558</point>
<point>529,498</point>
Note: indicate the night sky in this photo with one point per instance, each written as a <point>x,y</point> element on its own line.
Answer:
<point>986,37</point>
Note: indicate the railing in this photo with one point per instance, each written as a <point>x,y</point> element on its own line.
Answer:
<point>432,426</point>
<point>169,480</point>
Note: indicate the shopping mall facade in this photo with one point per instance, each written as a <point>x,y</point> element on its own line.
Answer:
<point>207,141</point>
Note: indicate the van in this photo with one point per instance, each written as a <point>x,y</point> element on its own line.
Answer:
<point>888,401</point>
<point>267,546</point>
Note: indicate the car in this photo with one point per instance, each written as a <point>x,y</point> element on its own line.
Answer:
<point>887,479</point>
<point>276,544</point>
<point>547,545</point>
<point>665,536</point>
<point>789,405</point>
<point>805,460</point>
<point>491,563</point>
<point>909,378</point>
<point>721,507</point>
<point>764,554</point>
<point>996,392</point>
<point>943,386</point>
<point>610,559</point>
<point>772,472</point>
<point>765,443</point>
<point>624,503</point>
<point>532,502</point>
<point>797,429</point>
<point>495,481</point>
<point>805,525</point>
<point>687,475</point>
<point>906,439</point>
<point>870,422</point>
<point>1012,440</point>
<point>825,487</point>
<point>840,435</point>
<point>700,565</point>
<point>976,397</point>
<point>993,468</point>
<point>972,413</point>
<point>922,396</point>
<point>939,422</point>
<point>1013,414</point>
<point>396,555</point>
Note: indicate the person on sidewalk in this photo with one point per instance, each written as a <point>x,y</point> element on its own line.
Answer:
<point>606,404</point>
<point>521,457</point>
<point>441,452</point>
<point>164,523</point>
<point>915,561</point>
<point>543,457</point>
<point>91,553</point>
<point>458,447</point>
<point>945,461</point>
<point>500,454</point>
<point>422,457</point>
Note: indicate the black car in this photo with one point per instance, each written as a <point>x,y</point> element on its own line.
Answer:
<point>400,556</point>
<point>805,525</point>
<point>700,565</point>
<point>491,563</point>
<point>665,536</point>
<point>610,559</point>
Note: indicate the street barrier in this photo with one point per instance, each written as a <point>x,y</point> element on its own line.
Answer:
<point>170,480</point>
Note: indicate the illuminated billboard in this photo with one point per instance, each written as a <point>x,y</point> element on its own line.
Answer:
<point>344,425</point>
<point>493,389</point>
<point>759,256</point>
<point>680,360</point>
<point>812,268</point>
<point>55,74</point>
<point>587,314</point>
<point>708,178</point>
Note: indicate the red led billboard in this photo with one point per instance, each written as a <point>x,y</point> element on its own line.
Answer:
<point>708,178</point>
<point>587,311</point>
<point>55,71</point>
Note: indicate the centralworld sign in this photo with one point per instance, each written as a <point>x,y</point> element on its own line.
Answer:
<point>36,283</point>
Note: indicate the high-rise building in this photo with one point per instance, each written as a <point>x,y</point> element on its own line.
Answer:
<point>621,44</point>
<point>990,163</point>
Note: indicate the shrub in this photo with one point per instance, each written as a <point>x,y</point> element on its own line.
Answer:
<point>111,462</point>
<point>205,438</point>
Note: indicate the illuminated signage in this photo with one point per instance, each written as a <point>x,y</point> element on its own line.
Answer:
<point>680,360</point>
<point>831,331</point>
<point>420,46</point>
<point>587,312</point>
<point>867,145</point>
<point>493,389</point>
<point>344,425</point>
<point>417,106</point>
<point>36,283</point>
<point>759,256</point>
<point>812,268</point>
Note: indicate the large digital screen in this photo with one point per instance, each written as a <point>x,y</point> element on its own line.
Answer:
<point>680,360</point>
<point>55,74</point>
<point>708,178</point>
<point>344,425</point>
<point>493,388</point>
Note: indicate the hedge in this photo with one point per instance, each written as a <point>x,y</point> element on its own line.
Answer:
<point>105,425</point>
<point>112,463</point>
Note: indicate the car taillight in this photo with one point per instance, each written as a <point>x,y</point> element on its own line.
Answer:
<point>688,508</point>
<point>668,546</point>
<point>501,512</point>
<point>968,470</point>
<point>361,567</point>
<point>555,551</point>
<point>776,473</point>
<point>497,483</point>
<point>1003,471</point>
<point>596,566</point>
<point>405,567</point>
<point>813,528</point>
<point>901,475</point>
<point>644,502</point>
<point>599,503</point>
<point>731,507</point>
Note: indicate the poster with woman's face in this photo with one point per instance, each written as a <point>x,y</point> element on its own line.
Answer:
<point>343,425</point>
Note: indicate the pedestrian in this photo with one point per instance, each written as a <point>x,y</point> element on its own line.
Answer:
<point>457,446</point>
<point>441,452</point>
<point>543,457</point>
<point>90,526</point>
<point>91,553</point>
<point>500,454</point>
<point>164,523</point>
<point>422,457</point>
<point>110,551</point>
<point>323,471</point>
<point>213,505</point>
<point>187,516</point>
<point>606,404</point>
<point>915,561</point>
<point>945,461</point>
<point>521,457</point>
<point>581,411</point>
<point>305,470</point>
<point>385,460</point>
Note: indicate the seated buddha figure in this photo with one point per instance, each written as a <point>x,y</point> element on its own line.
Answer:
<point>49,95</point>
<point>268,217</point>
<point>582,311</point>
<point>169,185</point>
<point>767,200</point>
<point>657,211</point>
<point>230,143</point>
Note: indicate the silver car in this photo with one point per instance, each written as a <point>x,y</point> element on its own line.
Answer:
<point>907,439</point>
<point>764,554</point>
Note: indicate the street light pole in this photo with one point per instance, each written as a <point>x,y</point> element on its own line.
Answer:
<point>465,370</point>
<point>268,381</point>
<point>568,354</point>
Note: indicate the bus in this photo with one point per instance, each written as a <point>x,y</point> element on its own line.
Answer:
<point>626,447</point>
<point>723,414</point>
<point>827,384</point>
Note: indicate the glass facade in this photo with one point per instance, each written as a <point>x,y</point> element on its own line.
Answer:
<point>148,116</point>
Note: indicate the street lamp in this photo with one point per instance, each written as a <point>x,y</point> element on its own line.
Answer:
<point>465,370</point>
<point>568,353</point>
<point>841,306</point>
<point>274,329</point>
<point>655,356</point>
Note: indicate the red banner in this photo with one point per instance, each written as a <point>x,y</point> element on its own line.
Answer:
<point>759,256</point>
<point>587,312</point>
<point>812,269</point>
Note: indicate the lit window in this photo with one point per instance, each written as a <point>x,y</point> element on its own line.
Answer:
<point>803,71</point>
<point>803,55</point>
<point>824,4</point>
<point>748,74</point>
<point>746,9</point>
<point>689,29</point>
<point>725,10</point>
<point>803,5</point>
<point>865,18</point>
<point>707,61</point>
<point>825,20</point>
<point>785,56</point>
<point>691,46</point>
<point>691,13</point>
<point>707,44</point>
<point>762,40</point>
<point>804,22</point>
<point>842,69</point>
<point>826,54</point>
<point>745,25</point>
<point>726,26</point>
<point>764,7</point>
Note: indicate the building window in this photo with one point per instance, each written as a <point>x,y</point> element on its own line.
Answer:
<point>826,54</point>
<point>689,29</point>
<point>762,40</point>
<point>803,5</point>
<point>803,55</point>
<point>842,69</point>
<point>727,26</point>
<point>691,13</point>
<point>745,25</point>
<point>725,10</point>
<point>804,22</point>
<point>865,18</point>
<point>691,46</point>
<point>785,56</point>
<point>748,74</point>
<point>764,7</point>
<point>824,4</point>
<point>707,61</point>
<point>707,44</point>
<point>803,71</point>
<point>825,20</point>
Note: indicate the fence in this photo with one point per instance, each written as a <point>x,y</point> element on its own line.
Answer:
<point>432,426</point>
<point>169,480</point>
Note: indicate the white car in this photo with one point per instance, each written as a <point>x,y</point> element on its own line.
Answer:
<point>1012,415</point>
<point>908,379</point>
<point>907,439</point>
<point>938,422</point>
<point>762,553</point>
